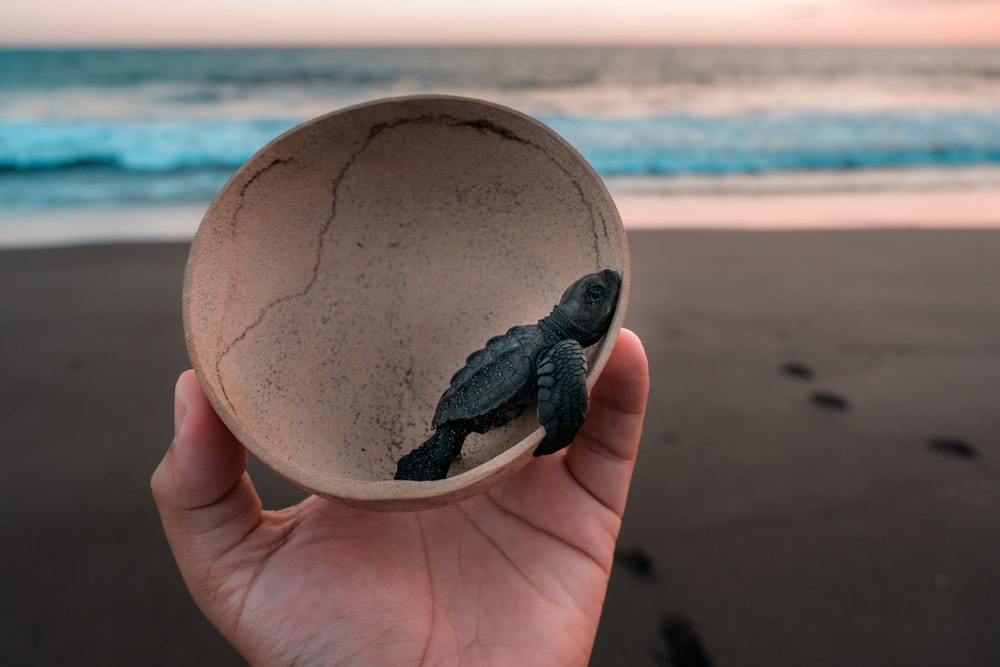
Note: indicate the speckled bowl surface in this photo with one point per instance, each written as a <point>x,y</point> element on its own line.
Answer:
<point>346,271</point>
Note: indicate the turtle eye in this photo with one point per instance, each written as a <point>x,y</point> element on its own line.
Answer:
<point>595,294</point>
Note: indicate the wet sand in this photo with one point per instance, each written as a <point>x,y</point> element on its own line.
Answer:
<point>818,481</point>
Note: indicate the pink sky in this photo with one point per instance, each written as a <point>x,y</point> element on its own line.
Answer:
<point>120,22</point>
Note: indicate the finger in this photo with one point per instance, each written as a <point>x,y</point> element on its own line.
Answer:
<point>205,498</point>
<point>602,457</point>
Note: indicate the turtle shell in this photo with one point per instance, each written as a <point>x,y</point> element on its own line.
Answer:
<point>496,383</point>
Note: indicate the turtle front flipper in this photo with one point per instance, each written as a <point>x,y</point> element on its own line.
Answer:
<point>432,459</point>
<point>562,394</point>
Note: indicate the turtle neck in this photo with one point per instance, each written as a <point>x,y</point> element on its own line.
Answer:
<point>558,326</point>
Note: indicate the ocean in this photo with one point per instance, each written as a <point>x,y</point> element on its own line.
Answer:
<point>152,127</point>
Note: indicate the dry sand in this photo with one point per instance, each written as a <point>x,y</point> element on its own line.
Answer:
<point>763,527</point>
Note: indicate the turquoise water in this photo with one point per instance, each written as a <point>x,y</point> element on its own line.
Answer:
<point>105,127</point>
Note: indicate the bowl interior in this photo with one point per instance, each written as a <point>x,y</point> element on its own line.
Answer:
<point>347,270</point>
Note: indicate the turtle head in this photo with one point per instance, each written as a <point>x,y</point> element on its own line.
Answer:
<point>589,304</point>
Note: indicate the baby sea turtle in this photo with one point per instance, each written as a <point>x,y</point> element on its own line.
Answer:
<point>543,361</point>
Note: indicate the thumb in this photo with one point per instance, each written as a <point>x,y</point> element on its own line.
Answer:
<point>206,501</point>
<point>603,455</point>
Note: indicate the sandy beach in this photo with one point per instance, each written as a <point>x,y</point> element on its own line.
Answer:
<point>818,481</point>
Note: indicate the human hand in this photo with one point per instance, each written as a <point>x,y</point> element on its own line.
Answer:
<point>516,575</point>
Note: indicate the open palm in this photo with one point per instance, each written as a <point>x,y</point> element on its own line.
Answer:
<point>515,575</point>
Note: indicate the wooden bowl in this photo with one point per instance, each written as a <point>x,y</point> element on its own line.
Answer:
<point>346,271</point>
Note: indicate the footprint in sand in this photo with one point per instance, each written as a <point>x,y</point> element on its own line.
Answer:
<point>678,644</point>
<point>636,561</point>
<point>953,447</point>
<point>797,370</point>
<point>683,646</point>
<point>824,399</point>
<point>830,401</point>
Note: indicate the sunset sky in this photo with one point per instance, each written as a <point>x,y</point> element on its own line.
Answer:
<point>332,22</point>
